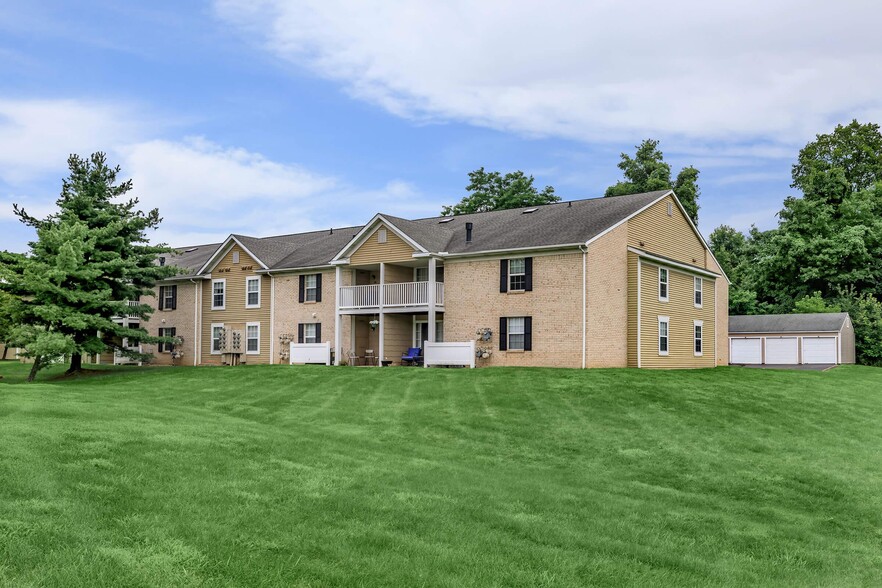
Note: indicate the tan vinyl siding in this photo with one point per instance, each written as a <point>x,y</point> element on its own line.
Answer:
<point>632,310</point>
<point>397,335</point>
<point>669,236</point>
<point>682,312</point>
<point>235,315</point>
<point>372,251</point>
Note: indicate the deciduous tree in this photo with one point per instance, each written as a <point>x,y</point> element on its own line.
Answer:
<point>494,191</point>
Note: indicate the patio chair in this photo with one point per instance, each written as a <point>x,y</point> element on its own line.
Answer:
<point>353,358</point>
<point>369,357</point>
<point>412,356</point>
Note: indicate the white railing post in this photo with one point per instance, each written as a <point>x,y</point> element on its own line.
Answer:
<point>338,278</point>
<point>382,347</point>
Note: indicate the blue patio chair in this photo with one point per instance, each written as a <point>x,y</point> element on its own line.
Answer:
<point>412,357</point>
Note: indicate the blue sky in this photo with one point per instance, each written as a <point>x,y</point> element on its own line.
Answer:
<point>275,116</point>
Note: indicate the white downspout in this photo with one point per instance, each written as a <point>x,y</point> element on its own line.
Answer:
<point>196,346</point>
<point>272,350</point>
<point>584,250</point>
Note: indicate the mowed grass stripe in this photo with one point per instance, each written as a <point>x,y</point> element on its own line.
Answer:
<point>281,476</point>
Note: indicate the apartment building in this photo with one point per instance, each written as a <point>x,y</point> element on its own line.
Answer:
<point>605,282</point>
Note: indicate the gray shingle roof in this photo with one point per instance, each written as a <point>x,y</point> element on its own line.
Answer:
<point>788,323</point>
<point>563,223</point>
<point>190,259</point>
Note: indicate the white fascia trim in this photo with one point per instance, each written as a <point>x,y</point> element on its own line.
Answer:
<point>259,293</point>
<point>306,268</point>
<point>691,269</point>
<point>222,250</point>
<point>503,252</point>
<point>368,230</point>
<point>627,218</point>
<point>252,324</point>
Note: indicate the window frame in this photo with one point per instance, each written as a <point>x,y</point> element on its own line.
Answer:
<point>698,338</point>
<point>306,336</point>
<point>418,328</point>
<point>522,275</point>
<point>522,333</point>
<point>697,291</point>
<point>248,282</point>
<point>307,288</point>
<point>666,283</point>
<point>168,295</point>
<point>247,338</point>
<point>222,281</point>
<point>664,320</point>
<point>212,338</point>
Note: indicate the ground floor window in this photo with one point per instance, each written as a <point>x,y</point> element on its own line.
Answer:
<point>252,338</point>
<point>698,333</point>
<point>166,347</point>
<point>664,324</point>
<point>516,333</point>
<point>217,337</point>
<point>309,333</point>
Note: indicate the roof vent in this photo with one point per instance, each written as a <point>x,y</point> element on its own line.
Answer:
<point>332,231</point>
<point>569,204</point>
<point>469,232</point>
<point>162,261</point>
<point>445,220</point>
<point>529,210</point>
<point>190,250</point>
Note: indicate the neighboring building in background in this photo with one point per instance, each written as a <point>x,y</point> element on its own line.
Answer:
<point>792,339</point>
<point>606,282</point>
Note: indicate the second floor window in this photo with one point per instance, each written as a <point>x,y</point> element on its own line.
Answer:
<point>218,294</point>
<point>310,288</point>
<point>516,275</point>
<point>252,292</point>
<point>168,297</point>
<point>663,284</point>
<point>698,285</point>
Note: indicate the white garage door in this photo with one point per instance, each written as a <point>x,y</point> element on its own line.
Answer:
<point>746,351</point>
<point>819,350</point>
<point>782,351</point>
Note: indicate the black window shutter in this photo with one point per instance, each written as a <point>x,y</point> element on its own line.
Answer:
<point>160,347</point>
<point>302,289</point>
<point>300,330</point>
<point>174,294</point>
<point>503,333</point>
<point>161,300</point>
<point>318,288</point>
<point>528,274</point>
<point>318,332</point>
<point>528,333</point>
<point>503,275</point>
<point>172,332</point>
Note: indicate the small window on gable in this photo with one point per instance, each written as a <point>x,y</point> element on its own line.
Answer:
<point>381,236</point>
<point>670,209</point>
<point>235,257</point>
<point>662,284</point>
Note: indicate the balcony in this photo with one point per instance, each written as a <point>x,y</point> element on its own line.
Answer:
<point>401,296</point>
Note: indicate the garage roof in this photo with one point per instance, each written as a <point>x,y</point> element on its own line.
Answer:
<point>788,323</point>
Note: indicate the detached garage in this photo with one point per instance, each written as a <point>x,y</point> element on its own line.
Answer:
<point>788,339</point>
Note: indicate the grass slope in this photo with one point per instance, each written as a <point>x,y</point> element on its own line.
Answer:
<point>310,476</point>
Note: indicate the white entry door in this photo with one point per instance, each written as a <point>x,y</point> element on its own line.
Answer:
<point>782,350</point>
<point>819,350</point>
<point>746,351</point>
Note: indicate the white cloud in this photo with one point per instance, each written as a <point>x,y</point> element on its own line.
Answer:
<point>36,136</point>
<point>606,71</point>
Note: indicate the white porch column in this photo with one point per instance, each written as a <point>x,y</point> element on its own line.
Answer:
<point>431,299</point>
<point>382,346</point>
<point>338,283</point>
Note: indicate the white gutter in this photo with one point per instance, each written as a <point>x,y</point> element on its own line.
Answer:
<point>293,269</point>
<point>510,250</point>
<point>584,301</point>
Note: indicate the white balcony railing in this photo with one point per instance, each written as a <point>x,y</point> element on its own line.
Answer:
<point>398,295</point>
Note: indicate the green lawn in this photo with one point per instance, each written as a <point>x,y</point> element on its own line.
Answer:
<point>314,476</point>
